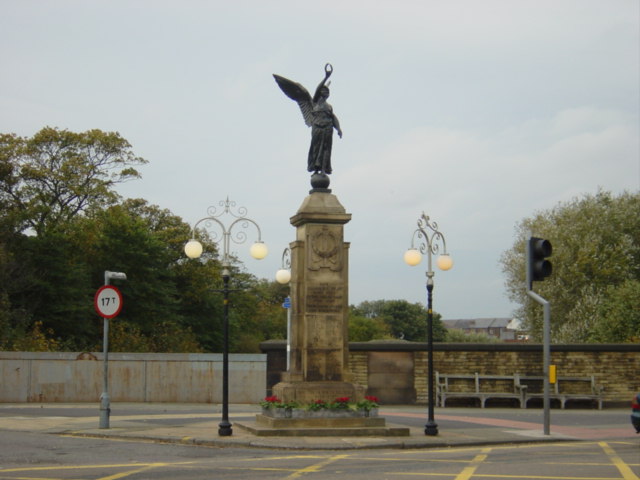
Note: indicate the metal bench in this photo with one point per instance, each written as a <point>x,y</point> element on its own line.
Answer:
<point>564,390</point>
<point>482,387</point>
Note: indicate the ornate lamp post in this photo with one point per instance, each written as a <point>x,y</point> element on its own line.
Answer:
<point>193,249</point>
<point>283,276</point>
<point>429,238</point>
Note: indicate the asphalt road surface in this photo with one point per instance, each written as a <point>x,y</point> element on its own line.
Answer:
<point>60,442</point>
<point>41,456</point>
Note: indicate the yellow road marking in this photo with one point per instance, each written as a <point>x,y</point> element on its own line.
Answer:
<point>316,468</point>
<point>75,467</point>
<point>622,467</point>
<point>133,472</point>
<point>416,460</point>
<point>259,469</point>
<point>85,467</point>
<point>468,472</point>
<point>493,475</point>
<point>281,457</point>
<point>507,447</point>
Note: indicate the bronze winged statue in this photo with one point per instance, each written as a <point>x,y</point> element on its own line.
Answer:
<point>318,115</point>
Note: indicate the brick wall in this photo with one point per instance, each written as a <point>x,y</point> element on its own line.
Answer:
<point>616,367</point>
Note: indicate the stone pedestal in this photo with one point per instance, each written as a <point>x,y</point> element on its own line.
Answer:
<point>323,427</point>
<point>318,368</point>
<point>322,423</point>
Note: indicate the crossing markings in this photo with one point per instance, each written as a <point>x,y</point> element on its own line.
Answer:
<point>139,467</point>
<point>468,472</point>
<point>622,467</point>
<point>318,466</point>
<point>133,472</point>
<point>460,463</point>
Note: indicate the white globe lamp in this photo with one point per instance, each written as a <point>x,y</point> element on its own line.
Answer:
<point>259,250</point>
<point>444,262</point>
<point>193,249</point>
<point>412,257</point>
<point>283,276</point>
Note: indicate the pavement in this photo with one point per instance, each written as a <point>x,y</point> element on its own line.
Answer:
<point>197,424</point>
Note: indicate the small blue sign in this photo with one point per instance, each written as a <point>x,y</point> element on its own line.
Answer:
<point>287,302</point>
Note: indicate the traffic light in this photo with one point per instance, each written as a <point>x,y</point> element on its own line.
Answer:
<point>538,266</point>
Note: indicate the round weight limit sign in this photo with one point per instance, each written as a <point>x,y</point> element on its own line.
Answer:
<point>108,301</point>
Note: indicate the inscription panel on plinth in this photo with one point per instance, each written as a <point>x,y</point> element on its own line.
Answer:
<point>325,365</point>
<point>324,331</point>
<point>324,298</point>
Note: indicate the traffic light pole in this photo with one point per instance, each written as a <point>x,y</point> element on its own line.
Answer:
<point>546,356</point>
<point>546,343</point>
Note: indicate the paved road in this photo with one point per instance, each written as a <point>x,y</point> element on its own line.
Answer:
<point>37,456</point>
<point>179,441</point>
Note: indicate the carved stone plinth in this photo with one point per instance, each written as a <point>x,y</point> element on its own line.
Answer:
<point>318,368</point>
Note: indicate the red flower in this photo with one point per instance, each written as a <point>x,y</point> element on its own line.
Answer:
<point>371,398</point>
<point>342,400</point>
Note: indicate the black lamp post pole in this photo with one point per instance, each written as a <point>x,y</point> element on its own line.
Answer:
<point>225,429</point>
<point>431,428</point>
<point>429,244</point>
<point>193,249</point>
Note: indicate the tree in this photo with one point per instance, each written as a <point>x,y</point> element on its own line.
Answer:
<point>46,182</point>
<point>365,329</point>
<point>369,308</point>
<point>53,287</point>
<point>55,275</point>
<point>403,319</point>
<point>168,300</point>
<point>62,225</point>
<point>619,314</point>
<point>257,313</point>
<point>125,242</point>
<point>50,178</point>
<point>596,249</point>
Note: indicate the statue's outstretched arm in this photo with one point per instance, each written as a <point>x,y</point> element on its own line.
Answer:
<point>328,70</point>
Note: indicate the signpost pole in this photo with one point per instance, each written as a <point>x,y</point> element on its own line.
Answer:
<point>287,305</point>
<point>105,401</point>
<point>108,303</point>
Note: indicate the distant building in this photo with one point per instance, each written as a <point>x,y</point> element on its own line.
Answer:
<point>505,329</point>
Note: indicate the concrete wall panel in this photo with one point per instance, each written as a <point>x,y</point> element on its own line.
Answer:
<point>73,377</point>
<point>14,380</point>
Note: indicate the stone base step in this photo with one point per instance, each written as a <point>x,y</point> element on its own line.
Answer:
<point>319,422</point>
<point>322,427</point>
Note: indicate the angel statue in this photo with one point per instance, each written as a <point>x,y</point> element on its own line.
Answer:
<point>318,115</point>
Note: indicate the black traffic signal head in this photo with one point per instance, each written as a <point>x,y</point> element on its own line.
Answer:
<point>538,266</point>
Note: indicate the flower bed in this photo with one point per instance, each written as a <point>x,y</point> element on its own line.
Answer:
<point>341,407</point>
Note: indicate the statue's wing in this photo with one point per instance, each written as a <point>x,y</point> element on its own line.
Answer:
<point>299,94</point>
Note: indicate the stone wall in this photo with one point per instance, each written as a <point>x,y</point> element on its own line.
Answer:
<point>382,367</point>
<point>616,367</point>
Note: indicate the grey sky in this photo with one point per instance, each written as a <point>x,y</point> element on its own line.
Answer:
<point>478,113</point>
